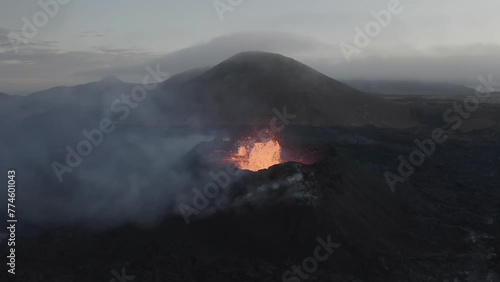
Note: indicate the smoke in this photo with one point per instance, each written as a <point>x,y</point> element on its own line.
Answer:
<point>133,176</point>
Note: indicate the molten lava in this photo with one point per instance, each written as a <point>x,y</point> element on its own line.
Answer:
<point>257,156</point>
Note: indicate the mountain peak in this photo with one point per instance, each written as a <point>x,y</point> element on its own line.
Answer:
<point>256,55</point>
<point>263,65</point>
<point>261,58</point>
<point>110,79</point>
<point>246,88</point>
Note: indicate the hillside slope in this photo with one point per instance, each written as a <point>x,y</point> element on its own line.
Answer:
<point>245,89</point>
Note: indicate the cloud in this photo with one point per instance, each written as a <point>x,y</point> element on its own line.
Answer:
<point>4,38</point>
<point>93,33</point>
<point>44,65</point>
<point>218,49</point>
<point>118,50</point>
<point>38,68</point>
<point>50,66</point>
<point>313,19</point>
<point>6,44</point>
<point>457,64</point>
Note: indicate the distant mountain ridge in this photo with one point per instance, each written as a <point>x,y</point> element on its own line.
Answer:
<point>246,89</point>
<point>388,87</point>
<point>183,77</point>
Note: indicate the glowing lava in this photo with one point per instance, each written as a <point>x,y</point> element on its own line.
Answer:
<point>257,156</point>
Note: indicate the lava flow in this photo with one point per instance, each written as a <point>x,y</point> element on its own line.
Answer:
<point>257,155</point>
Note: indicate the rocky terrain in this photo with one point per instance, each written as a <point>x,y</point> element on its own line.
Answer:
<point>118,211</point>
<point>441,224</point>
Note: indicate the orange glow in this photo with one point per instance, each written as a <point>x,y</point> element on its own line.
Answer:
<point>257,156</point>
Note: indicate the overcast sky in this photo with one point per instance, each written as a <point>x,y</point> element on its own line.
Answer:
<point>445,40</point>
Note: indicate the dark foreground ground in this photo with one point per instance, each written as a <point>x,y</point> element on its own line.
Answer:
<point>441,224</point>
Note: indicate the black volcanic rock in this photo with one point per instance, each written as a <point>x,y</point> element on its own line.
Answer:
<point>247,87</point>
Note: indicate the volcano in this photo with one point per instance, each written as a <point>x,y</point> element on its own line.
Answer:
<point>246,88</point>
<point>258,157</point>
